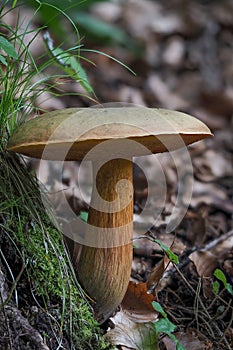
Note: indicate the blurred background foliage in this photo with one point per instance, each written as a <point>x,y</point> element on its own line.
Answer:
<point>52,11</point>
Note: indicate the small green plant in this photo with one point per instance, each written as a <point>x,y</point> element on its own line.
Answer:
<point>219,274</point>
<point>83,215</point>
<point>68,62</point>
<point>9,50</point>
<point>22,79</point>
<point>172,256</point>
<point>164,325</point>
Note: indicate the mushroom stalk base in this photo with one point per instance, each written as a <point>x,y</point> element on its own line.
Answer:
<point>104,272</point>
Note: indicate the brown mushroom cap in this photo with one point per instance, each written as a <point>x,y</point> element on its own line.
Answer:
<point>78,130</point>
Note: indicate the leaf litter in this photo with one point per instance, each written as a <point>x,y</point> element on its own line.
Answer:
<point>185,63</point>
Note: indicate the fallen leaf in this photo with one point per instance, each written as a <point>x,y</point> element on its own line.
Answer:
<point>174,51</point>
<point>205,263</point>
<point>211,194</point>
<point>107,11</point>
<point>137,303</point>
<point>197,233</point>
<point>156,274</point>
<point>189,340</point>
<point>212,165</point>
<point>131,95</point>
<point>133,335</point>
<point>164,94</point>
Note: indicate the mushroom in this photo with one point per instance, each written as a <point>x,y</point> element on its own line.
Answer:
<point>110,138</point>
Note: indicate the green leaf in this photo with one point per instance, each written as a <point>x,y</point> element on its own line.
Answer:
<point>3,60</point>
<point>229,288</point>
<point>221,277</point>
<point>164,325</point>
<point>101,30</point>
<point>83,215</point>
<point>179,346</point>
<point>167,327</point>
<point>68,63</point>
<point>216,286</point>
<point>159,308</point>
<point>6,46</point>
<point>14,4</point>
<point>172,256</point>
<point>66,5</point>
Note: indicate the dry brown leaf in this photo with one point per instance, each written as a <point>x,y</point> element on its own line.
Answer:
<point>174,51</point>
<point>212,165</point>
<point>131,95</point>
<point>164,94</point>
<point>211,194</point>
<point>205,263</point>
<point>189,340</point>
<point>107,11</point>
<point>225,245</point>
<point>139,17</point>
<point>156,274</point>
<point>207,288</point>
<point>131,334</point>
<point>216,123</point>
<point>228,266</point>
<point>137,303</point>
<point>197,233</point>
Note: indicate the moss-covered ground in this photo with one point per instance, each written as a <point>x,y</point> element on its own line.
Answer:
<point>37,280</point>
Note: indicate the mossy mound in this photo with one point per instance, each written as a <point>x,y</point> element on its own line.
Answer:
<point>41,302</point>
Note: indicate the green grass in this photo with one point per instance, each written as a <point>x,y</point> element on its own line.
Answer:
<point>32,250</point>
<point>22,79</point>
<point>27,232</point>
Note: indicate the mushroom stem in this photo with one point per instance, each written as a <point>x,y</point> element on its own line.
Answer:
<point>104,272</point>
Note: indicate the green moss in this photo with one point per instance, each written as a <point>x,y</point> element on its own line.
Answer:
<point>52,279</point>
<point>47,265</point>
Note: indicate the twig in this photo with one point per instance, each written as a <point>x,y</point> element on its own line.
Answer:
<point>227,329</point>
<point>216,241</point>
<point>5,302</point>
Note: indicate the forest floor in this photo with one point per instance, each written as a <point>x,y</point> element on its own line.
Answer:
<point>182,54</point>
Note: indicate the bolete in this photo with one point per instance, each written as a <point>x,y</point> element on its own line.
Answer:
<point>110,138</point>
